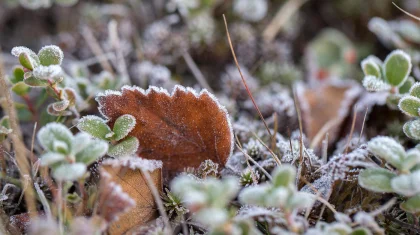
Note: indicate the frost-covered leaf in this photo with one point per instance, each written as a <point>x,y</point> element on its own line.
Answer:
<point>397,67</point>
<point>126,171</point>
<point>284,176</point>
<point>361,231</point>
<point>80,141</point>
<point>30,80</point>
<point>182,129</point>
<point>212,217</point>
<point>52,72</point>
<point>415,90</point>
<point>20,88</point>
<point>407,184</point>
<point>300,200</point>
<point>53,132</point>
<point>61,105</point>
<point>412,129</point>
<point>95,149</point>
<point>123,125</point>
<point>376,179</point>
<point>126,147</point>
<point>388,149</point>
<point>412,204</point>
<point>371,68</point>
<point>69,172</point>
<point>94,126</point>
<point>408,84</point>
<point>372,83</point>
<point>254,195</point>
<point>50,55</point>
<point>27,57</point>
<point>410,106</point>
<point>53,112</point>
<point>412,159</point>
<point>50,158</point>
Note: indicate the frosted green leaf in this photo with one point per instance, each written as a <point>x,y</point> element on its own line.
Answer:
<point>415,90</point>
<point>60,106</point>
<point>412,159</point>
<point>284,176</point>
<point>212,217</point>
<point>94,126</point>
<point>96,149</point>
<point>50,55</point>
<point>409,105</point>
<point>50,158</point>
<point>372,83</point>
<point>80,141</point>
<point>412,129</point>
<point>254,195</point>
<point>52,72</point>
<point>53,112</point>
<point>30,80</point>
<point>27,57</point>
<point>405,88</point>
<point>126,147</point>
<point>123,125</point>
<point>371,68</point>
<point>376,180</point>
<point>412,205</point>
<point>300,200</point>
<point>407,185</point>
<point>21,88</point>
<point>397,67</point>
<point>60,147</point>
<point>277,197</point>
<point>69,172</point>
<point>53,132</point>
<point>361,231</point>
<point>388,149</point>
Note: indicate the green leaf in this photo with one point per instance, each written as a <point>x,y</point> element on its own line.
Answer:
<point>412,159</point>
<point>392,100</point>
<point>284,176</point>
<point>407,184</point>
<point>54,132</point>
<point>370,67</point>
<point>412,129</point>
<point>96,149</point>
<point>361,231</point>
<point>51,158</point>
<point>4,121</point>
<point>405,88</point>
<point>123,125</point>
<point>69,172</point>
<point>50,55</point>
<point>376,180</point>
<point>397,67</point>
<point>412,205</point>
<point>21,89</point>
<point>33,81</point>
<point>388,149</point>
<point>27,57</point>
<point>415,90</point>
<point>409,105</point>
<point>126,147</point>
<point>94,126</point>
<point>18,75</point>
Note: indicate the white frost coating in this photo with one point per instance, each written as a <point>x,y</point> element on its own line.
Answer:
<point>134,163</point>
<point>405,56</point>
<point>416,85</point>
<point>372,83</point>
<point>164,91</point>
<point>46,72</point>
<point>16,51</point>
<point>369,100</point>
<point>371,61</point>
<point>251,10</point>
<point>349,96</point>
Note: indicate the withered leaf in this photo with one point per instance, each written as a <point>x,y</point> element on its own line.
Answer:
<point>124,176</point>
<point>326,105</point>
<point>181,129</point>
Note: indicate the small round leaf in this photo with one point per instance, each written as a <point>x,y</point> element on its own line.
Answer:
<point>376,180</point>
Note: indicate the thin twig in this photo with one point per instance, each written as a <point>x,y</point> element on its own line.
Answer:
<point>20,149</point>
<point>351,131</point>
<point>281,18</point>
<point>243,79</point>
<point>255,163</point>
<point>157,198</point>
<point>363,126</point>
<point>269,150</point>
<point>406,12</point>
<point>196,71</point>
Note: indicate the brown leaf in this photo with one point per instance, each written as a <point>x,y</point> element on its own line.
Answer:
<point>326,106</point>
<point>113,202</point>
<point>181,129</point>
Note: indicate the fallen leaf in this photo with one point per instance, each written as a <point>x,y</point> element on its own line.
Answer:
<point>126,200</point>
<point>325,107</point>
<point>181,129</point>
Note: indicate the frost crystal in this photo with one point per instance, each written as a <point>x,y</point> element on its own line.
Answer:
<point>134,162</point>
<point>47,72</point>
<point>372,83</point>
